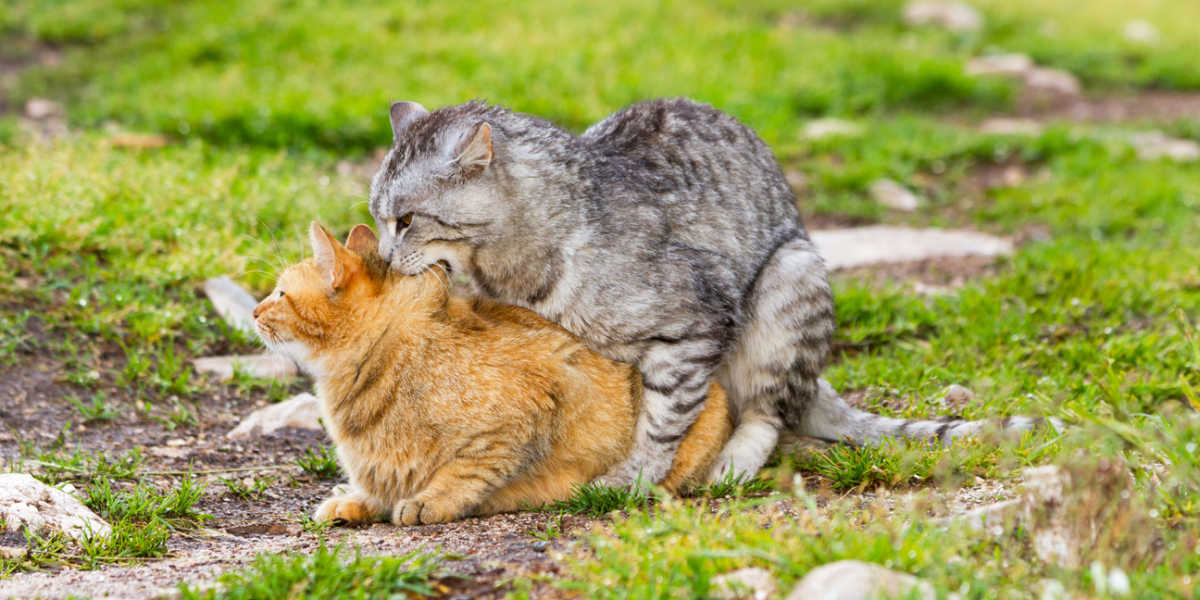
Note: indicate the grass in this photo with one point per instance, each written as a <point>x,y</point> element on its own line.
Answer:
<point>327,573</point>
<point>1092,320</point>
<point>321,463</point>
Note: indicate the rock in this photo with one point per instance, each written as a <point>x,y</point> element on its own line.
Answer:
<point>954,16</point>
<point>957,396</point>
<point>1140,32</point>
<point>1044,81</point>
<point>1003,65</point>
<point>41,109</point>
<point>824,128</point>
<point>303,411</point>
<point>168,451</point>
<point>1153,145</point>
<point>751,583</point>
<point>1007,126</point>
<point>875,244</point>
<point>893,195</point>
<point>232,302</point>
<point>28,503</point>
<point>856,580</point>
<point>266,366</point>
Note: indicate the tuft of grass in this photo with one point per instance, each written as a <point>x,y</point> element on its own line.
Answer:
<point>552,530</point>
<point>248,488</point>
<point>322,463</point>
<point>597,500</point>
<point>147,504</point>
<point>326,574</point>
<point>98,409</point>
<point>733,486</point>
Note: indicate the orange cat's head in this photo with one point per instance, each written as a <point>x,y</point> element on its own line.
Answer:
<point>330,302</point>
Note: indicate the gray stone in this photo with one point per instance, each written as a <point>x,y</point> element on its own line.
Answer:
<point>1044,81</point>
<point>877,244</point>
<point>40,109</point>
<point>303,411</point>
<point>1010,126</point>
<point>232,302</point>
<point>856,580</point>
<point>1153,145</point>
<point>1141,32</point>
<point>824,128</point>
<point>954,16</point>
<point>893,195</point>
<point>1003,65</point>
<point>957,395</point>
<point>751,583</point>
<point>265,366</point>
<point>28,503</point>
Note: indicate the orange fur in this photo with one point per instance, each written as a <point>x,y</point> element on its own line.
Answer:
<point>443,407</point>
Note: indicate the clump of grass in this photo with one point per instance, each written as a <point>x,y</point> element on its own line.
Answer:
<point>596,500</point>
<point>321,463</point>
<point>733,485</point>
<point>326,574</point>
<point>147,504</point>
<point>249,488</point>
<point>97,409</point>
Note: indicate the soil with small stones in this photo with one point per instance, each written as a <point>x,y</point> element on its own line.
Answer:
<point>36,409</point>
<point>1147,105</point>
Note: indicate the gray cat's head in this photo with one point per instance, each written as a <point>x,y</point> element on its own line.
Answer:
<point>436,193</point>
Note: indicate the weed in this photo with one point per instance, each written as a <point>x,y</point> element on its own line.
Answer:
<point>326,574</point>
<point>553,529</point>
<point>597,500</point>
<point>97,410</point>
<point>248,488</point>
<point>181,415</point>
<point>322,463</point>
<point>731,485</point>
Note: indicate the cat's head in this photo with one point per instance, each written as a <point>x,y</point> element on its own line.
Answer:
<point>436,193</point>
<point>329,302</point>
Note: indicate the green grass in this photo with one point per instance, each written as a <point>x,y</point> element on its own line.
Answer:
<point>1093,320</point>
<point>327,573</point>
<point>321,463</point>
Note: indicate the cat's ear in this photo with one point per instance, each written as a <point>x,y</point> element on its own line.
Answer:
<point>332,259</point>
<point>474,153</point>
<point>403,114</point>
<point>362,241</point>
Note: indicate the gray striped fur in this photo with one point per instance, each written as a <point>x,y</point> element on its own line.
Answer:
<point>664,236</point>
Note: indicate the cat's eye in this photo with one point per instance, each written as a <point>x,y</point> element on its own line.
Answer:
<point>395,226</point>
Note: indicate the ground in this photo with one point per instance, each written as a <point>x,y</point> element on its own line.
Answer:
<point>188,140</point>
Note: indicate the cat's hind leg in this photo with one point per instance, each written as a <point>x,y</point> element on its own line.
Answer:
<point>675,379</point>
<point>772,371</point>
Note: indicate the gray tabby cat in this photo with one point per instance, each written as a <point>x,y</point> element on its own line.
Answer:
<point>665,236</point>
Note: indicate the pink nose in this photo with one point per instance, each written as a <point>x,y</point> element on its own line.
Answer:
<point>257,310</point>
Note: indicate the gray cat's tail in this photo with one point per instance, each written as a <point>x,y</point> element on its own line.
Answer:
<point>830,418</point>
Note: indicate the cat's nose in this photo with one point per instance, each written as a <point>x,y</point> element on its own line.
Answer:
<point>257,310</point>
<point>385,250</point>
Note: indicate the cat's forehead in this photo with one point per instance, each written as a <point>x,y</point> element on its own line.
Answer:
<point>301,274</point>
<point>405,179</point>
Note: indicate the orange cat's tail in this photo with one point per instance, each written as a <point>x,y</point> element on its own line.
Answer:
<point>702,444</point>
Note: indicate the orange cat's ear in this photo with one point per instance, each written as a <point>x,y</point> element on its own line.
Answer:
<point>362,241</point>
<point>331,258</point>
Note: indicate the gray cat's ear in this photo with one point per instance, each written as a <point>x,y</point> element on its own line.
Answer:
<point>403,114</point>
<point>474,154</point>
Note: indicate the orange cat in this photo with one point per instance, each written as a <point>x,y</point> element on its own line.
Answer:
<point>443,407</point>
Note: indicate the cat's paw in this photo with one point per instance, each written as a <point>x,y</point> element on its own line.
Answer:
<point>344,509</point>
<point>417,511</point>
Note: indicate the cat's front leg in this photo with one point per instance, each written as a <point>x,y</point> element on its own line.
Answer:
<point>675,380</point>
<point>349,508</point>
<point>457,489</point>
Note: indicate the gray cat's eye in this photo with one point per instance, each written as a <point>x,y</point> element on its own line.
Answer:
<point>395,226</point>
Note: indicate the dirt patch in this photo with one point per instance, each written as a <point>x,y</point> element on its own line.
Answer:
<point>930,275</point>
<point>1151,105</point>
<point>17,54</point>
